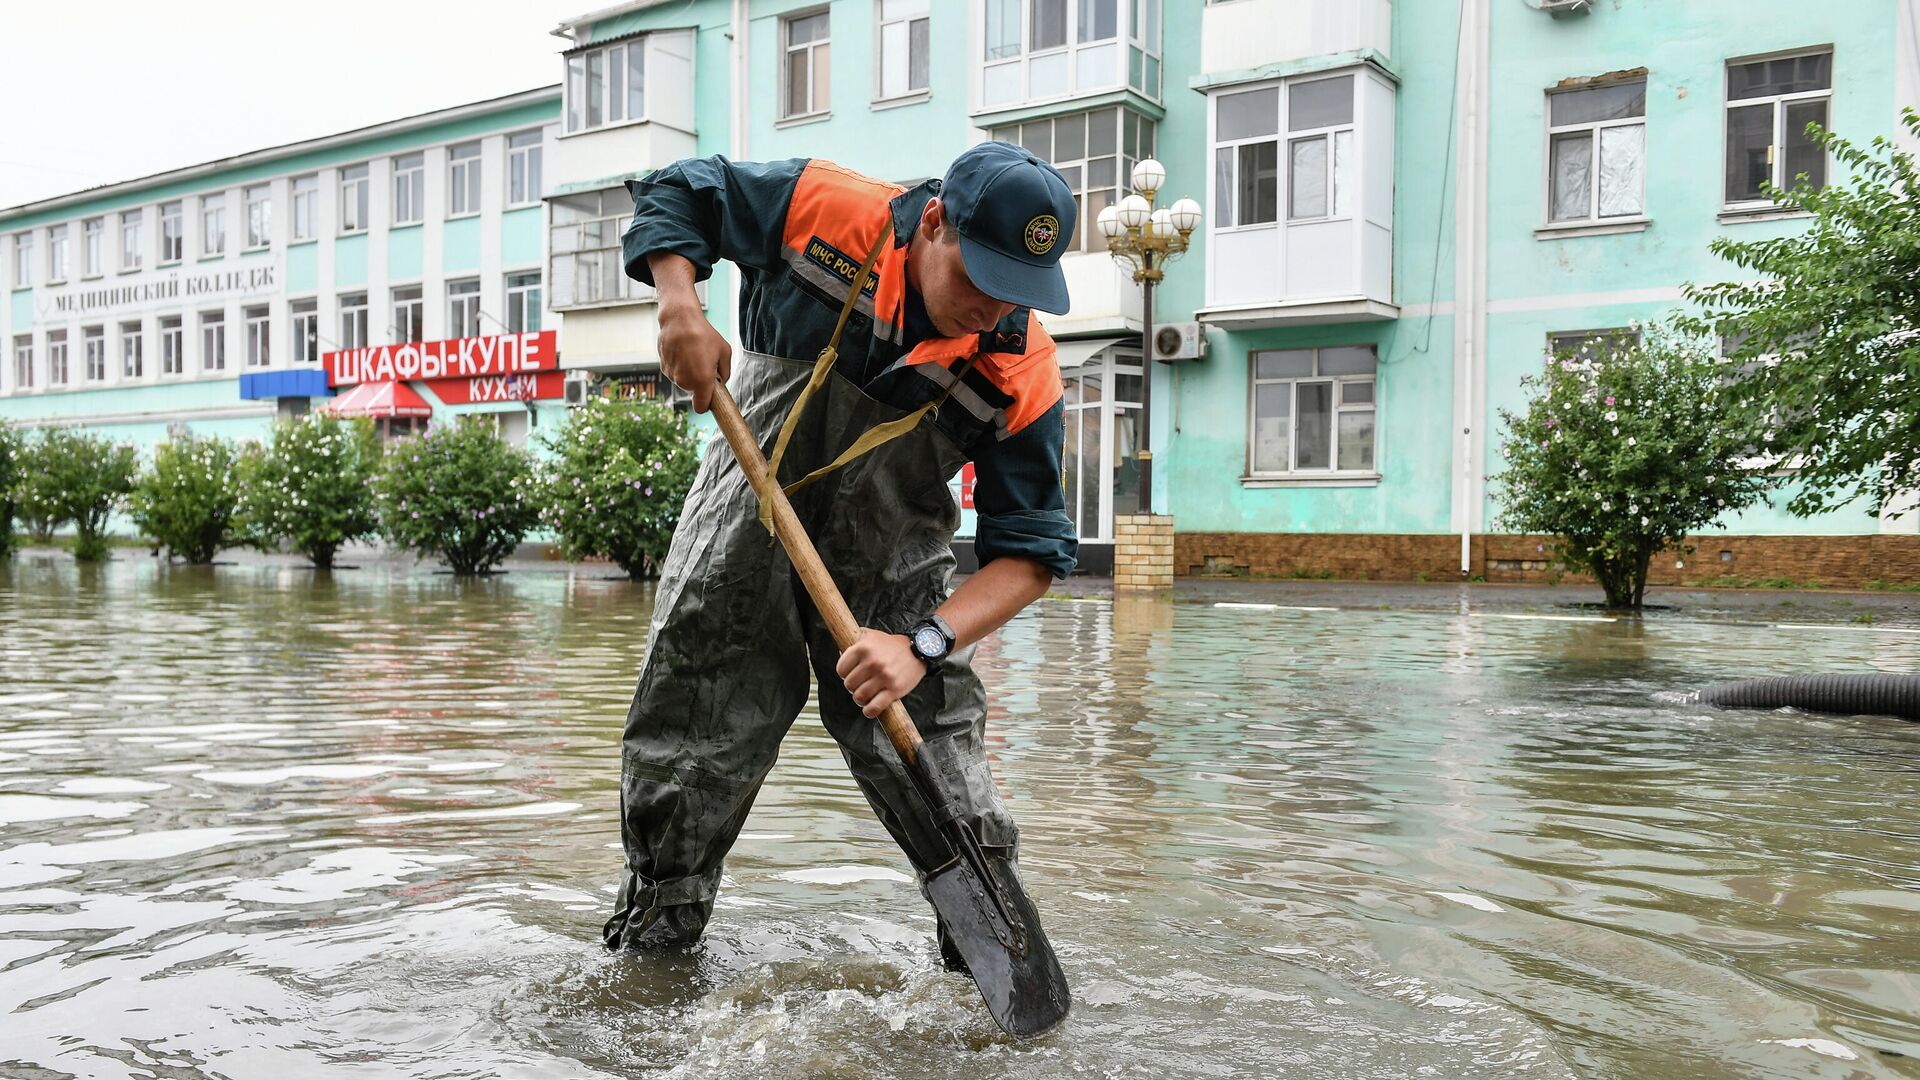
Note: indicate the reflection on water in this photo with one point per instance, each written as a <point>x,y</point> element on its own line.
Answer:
<point>256,822</point>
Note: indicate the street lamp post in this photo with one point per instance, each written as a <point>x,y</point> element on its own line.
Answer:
<point>1144,239</point>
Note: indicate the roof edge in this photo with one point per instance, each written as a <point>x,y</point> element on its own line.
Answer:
<point>254,157</point>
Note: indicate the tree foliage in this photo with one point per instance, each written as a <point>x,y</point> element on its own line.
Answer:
<point>83,479</point>
<point>1829,329</point>
<point>1621,452</point>
<point>13,452</point>
<point>621,471</point>
<point>37,493</point>
<point>311,487</point>
<point>187,500</point>
<point>458,493</point>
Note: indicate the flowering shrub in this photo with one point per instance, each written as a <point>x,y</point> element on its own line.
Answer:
<point>621,473</point>
<point>35,491</point>
<point>458,493</point>
<point>82,479</point>
<point>311,487</point>
<point>186,501</point>
<point>13,448</point>
<point>1621,452</point>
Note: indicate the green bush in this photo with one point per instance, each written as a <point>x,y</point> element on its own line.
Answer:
<point>311,487</point>
<point>1623,451</point>
<point>458,493</point>
<point>37,493</point>
<point>13,448</point>
<point>187,500</point>
<point>620,474</point>
<point>83,479</point>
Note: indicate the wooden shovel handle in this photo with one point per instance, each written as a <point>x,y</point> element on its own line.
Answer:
<point>800,551</point>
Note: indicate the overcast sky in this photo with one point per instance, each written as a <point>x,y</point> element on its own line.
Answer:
<point>97,92</point>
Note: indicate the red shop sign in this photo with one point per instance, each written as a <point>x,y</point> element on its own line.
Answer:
<point>458,358</point>
<point>533,386</point>
<point>966,486</point>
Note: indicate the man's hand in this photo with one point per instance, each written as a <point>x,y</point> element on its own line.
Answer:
<point>879,670</point>
<point>692,353</point>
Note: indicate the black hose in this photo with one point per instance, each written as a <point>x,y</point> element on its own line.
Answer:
<point>1877,694</point>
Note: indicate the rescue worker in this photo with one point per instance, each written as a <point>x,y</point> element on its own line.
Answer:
<point>942,342</point>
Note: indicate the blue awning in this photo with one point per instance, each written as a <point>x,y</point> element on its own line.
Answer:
<point>284,384</point>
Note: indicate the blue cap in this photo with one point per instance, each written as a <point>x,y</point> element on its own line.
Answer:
<point>1015,215</point>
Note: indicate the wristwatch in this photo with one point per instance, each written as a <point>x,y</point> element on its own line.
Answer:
<point>932,639</point>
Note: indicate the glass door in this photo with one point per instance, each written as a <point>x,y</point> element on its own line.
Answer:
<point>1099,473</point>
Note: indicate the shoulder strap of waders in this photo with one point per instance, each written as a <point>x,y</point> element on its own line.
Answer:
<point>821,367</point>
<point>880,434</point>
<point>873,437</point>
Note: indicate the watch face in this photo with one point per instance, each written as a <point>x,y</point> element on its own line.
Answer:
<point>927,641</point>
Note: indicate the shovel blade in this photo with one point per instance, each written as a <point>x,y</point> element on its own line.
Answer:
<point>1025,990</point>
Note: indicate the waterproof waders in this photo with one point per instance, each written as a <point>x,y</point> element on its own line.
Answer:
<point>734,635</point>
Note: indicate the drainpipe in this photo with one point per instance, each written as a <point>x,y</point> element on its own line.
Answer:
<point>1470,278</point>
<point>739,73</point>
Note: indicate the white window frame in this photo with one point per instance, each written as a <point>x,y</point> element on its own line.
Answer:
<point>585,263</point>
<point>259,201</point>
<point>56,253</point>
<point>132,249</point>
<point>213,224</point>
<point>354,208</point>
<point>133,361</point>
<point>1593,128</point>
<point>1330,134</point>
<point>463,308</point>
<point>303,318</point>
<point>23,362</point>
<point>814,110</point>
<point>1226,199</point>
<point>93,247</point>
<point>1137,30</point>
<point>1756,462</point>
<point>173,232</point>
<point>1574,341</point>
<point>617,63</point>
<point>463,179</point>
<point>1337,397</point>
<point>1042,138</point>
<point>901,27</point>
<point>410,189</point>
<point>213,340</point>
<point>1779,103</point>
<point>258,323</point>
<point>93,353</point>
<point>173,345</point>
<point>523,301</point>
<point>304,194</point>
<point>525,159</point>
<point>353,320</point>
<point>57,358</point>
<point>407,306</point>
<point>22,259</point>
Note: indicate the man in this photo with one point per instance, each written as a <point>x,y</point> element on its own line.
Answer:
<point>940,338</point>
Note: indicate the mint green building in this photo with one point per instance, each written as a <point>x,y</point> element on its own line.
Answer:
<point>1405,206</point>
<point>203,298</point>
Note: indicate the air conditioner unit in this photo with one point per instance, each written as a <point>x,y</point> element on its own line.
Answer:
<point>1179,341</point>
<point>576,390</point>
<point>1564,7</point>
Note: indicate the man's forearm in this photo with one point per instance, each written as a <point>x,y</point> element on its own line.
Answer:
<point>673,277</point>
<point>997,592</point>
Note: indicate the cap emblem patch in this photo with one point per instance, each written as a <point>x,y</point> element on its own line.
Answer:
<point>1042,232</point>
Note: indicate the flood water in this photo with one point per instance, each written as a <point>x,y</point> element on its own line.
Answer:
<point>257,823</point>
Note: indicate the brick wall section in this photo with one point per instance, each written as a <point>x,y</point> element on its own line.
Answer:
<point>1143,552</point>
<point>1838,561</point>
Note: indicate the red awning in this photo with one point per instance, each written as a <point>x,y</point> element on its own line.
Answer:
<point>378,399</point>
